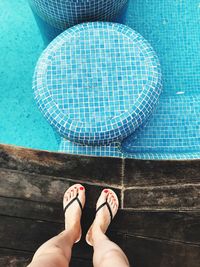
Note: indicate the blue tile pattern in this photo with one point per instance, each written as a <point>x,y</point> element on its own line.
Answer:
<point>172,28</point>
<point>173,131</point>
<point>54,16</point>
<point>97,82</point>
<point>111,150</point>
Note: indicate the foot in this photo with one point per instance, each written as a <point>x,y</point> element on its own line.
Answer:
<point>103,218</point>
<point>73,212</point>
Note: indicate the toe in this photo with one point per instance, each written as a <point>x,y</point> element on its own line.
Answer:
<point>103,197</point>
<point>81,193</point>
<point>109,199</point>
<point>70,193</point>
<point>113,201</point>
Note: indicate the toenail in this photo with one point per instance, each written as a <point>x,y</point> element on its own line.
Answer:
<point>105,191</point>
<point>81,188</point>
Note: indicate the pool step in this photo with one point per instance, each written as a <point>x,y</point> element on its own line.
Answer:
<point>173,128</point>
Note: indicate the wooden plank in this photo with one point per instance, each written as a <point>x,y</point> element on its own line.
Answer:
<point>20,261</point>
<point>173,226</point>
<point>52,212</point>
<point>176,226</point>
<point>161,172</point>
<point>27,235</point>
<point>40,188</point>
<point>176,197</point>
<point>146,252</point>
<point>14,261</point>
<point>33,187</point>
<point>16,258</point>
<point>101,170</point>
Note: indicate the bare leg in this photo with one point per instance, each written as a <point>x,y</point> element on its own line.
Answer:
<point>57,251</point>
<point>106,253</point>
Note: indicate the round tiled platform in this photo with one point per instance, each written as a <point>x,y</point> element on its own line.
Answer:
<point>97,82</point>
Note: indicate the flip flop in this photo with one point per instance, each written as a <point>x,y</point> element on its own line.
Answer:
<point>109,209</point>
<point>70,203</point>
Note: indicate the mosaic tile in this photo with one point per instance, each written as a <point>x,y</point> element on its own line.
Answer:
<point>173,131</point>
<point>111,150</point>
<point>54,16</point>
<point>97,82</point>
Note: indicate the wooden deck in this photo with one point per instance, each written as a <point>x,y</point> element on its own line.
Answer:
<point>158,224</point>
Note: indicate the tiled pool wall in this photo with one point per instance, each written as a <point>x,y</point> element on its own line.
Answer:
<point>53,17</point>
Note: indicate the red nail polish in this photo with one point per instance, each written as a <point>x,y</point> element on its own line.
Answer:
<point>105,191</point>
<point>81,188</point>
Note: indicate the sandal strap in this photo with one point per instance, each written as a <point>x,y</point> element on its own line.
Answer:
<point>109,209</point>
<point>74,199</point>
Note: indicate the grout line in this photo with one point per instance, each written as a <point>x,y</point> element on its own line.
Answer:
<point>122,182</point>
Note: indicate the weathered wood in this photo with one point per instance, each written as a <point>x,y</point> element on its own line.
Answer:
<point>27,235</point>
<point>159,172</point>
<point>14,261</point>
<point>146,252</point>
<point>52,212</point>
<point>32,184</point>
<point>99,170</point>
<point>176,226</point>
<point>42,188</point>
<point>34,187</point>
<point>176,197</point>
<point>173,226</point>
<point>14,258</point>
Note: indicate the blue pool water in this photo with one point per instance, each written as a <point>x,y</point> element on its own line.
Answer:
<point>172,28</point>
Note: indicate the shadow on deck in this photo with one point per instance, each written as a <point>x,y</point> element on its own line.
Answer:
<point>158,224</point>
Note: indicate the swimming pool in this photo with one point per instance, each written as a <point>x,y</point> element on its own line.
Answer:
<point>172,28</point>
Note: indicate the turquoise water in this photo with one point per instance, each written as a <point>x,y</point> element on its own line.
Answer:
<point>173,29</point>
<point>21,123</point>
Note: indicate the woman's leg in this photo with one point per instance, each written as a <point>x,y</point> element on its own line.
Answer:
<point>57,251</point>
<point>106,253</point>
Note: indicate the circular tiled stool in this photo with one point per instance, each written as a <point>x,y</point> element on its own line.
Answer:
<point>97,82</point>
<point>55,16</point>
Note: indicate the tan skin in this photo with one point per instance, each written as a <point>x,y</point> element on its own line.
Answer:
<point>57,251</point>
